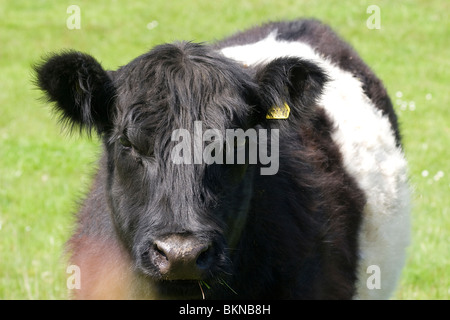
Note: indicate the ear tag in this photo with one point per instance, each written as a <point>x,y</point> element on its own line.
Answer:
<point>277,112</point>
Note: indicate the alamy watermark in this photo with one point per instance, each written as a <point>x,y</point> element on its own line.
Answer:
<point>73,21</point>
<point>236,146</point>
<point>74,279</point>
<point>374,280</point>
<point>374,20</point>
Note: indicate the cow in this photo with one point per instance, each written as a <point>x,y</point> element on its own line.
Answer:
<point>329,220</point>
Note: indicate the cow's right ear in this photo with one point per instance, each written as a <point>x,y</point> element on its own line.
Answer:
<point>81,89</point>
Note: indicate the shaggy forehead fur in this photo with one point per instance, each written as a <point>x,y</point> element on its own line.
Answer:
<point>176,84</point>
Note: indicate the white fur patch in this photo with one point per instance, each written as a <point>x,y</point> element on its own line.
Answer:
<point>370,155</point>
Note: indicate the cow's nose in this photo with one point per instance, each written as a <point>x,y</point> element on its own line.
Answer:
<point>181,257</point>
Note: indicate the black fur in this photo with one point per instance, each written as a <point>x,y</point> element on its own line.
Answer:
<point>81,88</point>
<point>297,230</point>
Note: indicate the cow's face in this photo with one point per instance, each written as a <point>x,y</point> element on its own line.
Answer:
<point>170,207</point>
<point>179,195</point>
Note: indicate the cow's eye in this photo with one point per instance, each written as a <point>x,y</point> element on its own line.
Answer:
<point>125,142</point>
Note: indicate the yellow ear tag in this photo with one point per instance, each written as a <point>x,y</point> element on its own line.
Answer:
<point>277,112</point>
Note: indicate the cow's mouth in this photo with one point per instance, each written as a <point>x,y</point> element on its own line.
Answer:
<point>180,289</point>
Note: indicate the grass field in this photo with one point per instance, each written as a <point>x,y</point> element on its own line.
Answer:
<point>43,171</point>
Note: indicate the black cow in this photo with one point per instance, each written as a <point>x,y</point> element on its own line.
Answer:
<point>164,221</point>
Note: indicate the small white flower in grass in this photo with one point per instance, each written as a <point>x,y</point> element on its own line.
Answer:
<point>425,173</point>
<point>152,25</point>
<point>399,94</point>
<point>403,106</point>
<point>428,96</point>
<point>438,175</point>
<point>412,105</point>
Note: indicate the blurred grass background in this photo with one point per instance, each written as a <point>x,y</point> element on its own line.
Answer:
<point>43,172</point>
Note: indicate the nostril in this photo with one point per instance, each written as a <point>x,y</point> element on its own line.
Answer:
<point>205,257</point>
<point>159,258</point>
<point>159,251</point>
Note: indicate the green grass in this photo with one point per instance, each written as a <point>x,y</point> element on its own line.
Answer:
<point>43,171</point>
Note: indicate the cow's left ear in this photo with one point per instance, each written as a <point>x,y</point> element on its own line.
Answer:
<point>291,83</point>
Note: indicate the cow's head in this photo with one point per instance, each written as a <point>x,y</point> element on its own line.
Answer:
<point>180,221</point>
